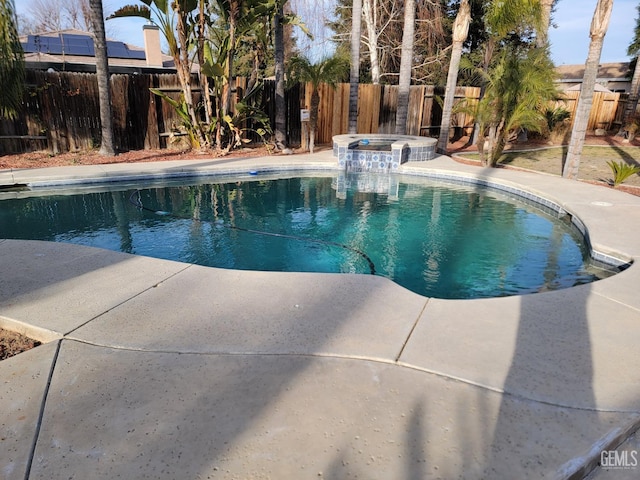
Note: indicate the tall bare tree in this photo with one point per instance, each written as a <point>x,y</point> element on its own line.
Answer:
<point>54,15</point>
<point>107,144</point>
<point>406,64</point>
<point>372,22</point>
<point>599,26</point>
<point>460,32</point>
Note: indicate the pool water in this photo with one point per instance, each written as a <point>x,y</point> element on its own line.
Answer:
<point>436,239</point>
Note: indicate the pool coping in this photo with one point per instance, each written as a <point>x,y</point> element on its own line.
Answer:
<point>607,313</point>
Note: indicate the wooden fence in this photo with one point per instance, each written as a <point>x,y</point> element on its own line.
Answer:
<point>61,111</point>
<point>377,105</point>
<point>607,110</point>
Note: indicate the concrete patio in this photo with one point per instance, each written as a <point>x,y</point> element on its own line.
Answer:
<point>158,369</point>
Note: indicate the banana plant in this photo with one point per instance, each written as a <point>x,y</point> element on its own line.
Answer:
<point>175,19</point>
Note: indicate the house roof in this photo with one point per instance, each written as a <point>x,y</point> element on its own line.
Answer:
<point>596,88</point>
<point>76,47</point>
<point>574,73</point>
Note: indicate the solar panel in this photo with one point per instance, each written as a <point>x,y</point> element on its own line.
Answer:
<point>121,50</point>
<point>73,44</point>
<point>51,45</point>
<point>77,44</point>
<point>137,54</point>
<point>116,50</point>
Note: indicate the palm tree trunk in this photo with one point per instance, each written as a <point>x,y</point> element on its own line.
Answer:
<point>281,106</point>
<point>354,76</point>
<point>107,144</point>
<point>542,35</point>
<point>406,62</point>
<point>313,117</point>
<point>204,80</point>
<point>599,26</point>
<point>632,101</point>
<point>226,101</point>
<point>460,32</point>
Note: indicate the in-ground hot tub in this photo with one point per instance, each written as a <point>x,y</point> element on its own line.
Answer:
<point>381,152</point>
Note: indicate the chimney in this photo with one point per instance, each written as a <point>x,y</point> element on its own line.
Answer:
<point>152,45</point>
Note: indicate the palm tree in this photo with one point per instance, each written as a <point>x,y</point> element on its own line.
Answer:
<point>406,62</point>
<point>11,62</point>
<point>354,74</point>
<point>599,25</point>
<point>460,32</point>
<point>519,86</point>
<point>107,145</point>
<point>503,19</point>
<point>329,70</point>
<point>173,19</point>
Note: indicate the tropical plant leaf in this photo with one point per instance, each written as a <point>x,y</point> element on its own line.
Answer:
<point>621,171</point>
<point>212,69</point>
<point>131,11</point>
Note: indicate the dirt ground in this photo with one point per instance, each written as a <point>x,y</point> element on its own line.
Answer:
<point>532,155</point>
<point>12,343</point>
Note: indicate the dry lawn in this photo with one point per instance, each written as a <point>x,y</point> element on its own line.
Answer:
<point>549,159</point>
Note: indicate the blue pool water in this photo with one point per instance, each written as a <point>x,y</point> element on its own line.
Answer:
<point>436,239</point>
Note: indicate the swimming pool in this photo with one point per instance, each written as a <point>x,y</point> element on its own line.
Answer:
<point>433,237</point>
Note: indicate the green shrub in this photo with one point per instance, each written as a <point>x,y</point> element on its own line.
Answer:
<point>621,171</point>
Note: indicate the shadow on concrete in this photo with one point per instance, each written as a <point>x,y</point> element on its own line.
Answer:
<point>551,373</point>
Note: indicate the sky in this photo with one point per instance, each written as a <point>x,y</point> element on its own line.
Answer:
<point>569,40</point>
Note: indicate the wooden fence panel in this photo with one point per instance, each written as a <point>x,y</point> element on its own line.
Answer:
<point>387,122</point>
<point>340,113</point>
<point>61,111</point>
<point>368,108</point>
<point>605,110</point>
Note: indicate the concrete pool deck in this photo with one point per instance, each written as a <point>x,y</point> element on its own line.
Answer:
<point>159,369</point>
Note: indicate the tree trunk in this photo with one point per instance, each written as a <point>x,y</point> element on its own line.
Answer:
<point>460,32</point>
<point>406,62</point>
<point>313,117</point>
<point>370,15</point>
<point>599,26</point>
<point>281,107</point>
<point>107,144</point>
<point>632,101</point>
<point>542,35</point>
<point>204,80</point>
<point>231,52</point>
<point>354,75</point>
